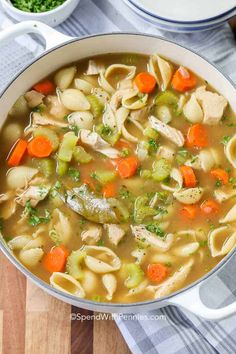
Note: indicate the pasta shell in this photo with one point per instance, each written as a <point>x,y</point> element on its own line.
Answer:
<point>161,70</point>
<point>67,284</point>
<point>230,151</point>
<point>230,216</point>
<point>18,177</point>
<point>38,242</point>
<point>31,257</point>
<point>208,159</point>
<point>104,77</point>
<point>82,120</point>
<point>138,289</point>
<point>223,194</point>
<point>83,85</point>
<point>94,68</point>
<point>186,250</point>
<point>101,259</point>
<point>19,242</point>
<point>193,111</point>
<point>189,196</point>
<point>110,283</point>
<point>221,240</point>
<point>103,82</point>
<point>89,281</point>
<point>164,114</point>
<point>132,100</point>
<point>176,176</point>
<point>64,77</point>
<point>162,258</point>
<point>75,100</point>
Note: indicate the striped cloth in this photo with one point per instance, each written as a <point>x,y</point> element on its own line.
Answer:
<point>176,331</point>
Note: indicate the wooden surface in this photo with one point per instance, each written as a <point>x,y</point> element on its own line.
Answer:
<point>32,322</point>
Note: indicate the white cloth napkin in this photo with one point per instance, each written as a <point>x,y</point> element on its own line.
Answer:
<point>178,331</point>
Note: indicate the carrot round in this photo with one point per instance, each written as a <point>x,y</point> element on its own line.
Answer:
<point>157,272</point>
<point>17,153</point>
<point>220,175</point>
<point>189,177</point>
<point>145,82</point>
<point>109,190</point>
<point>197,136</point>
<point>45,87</point>
<point>210,206</point>
<point>189,211</point>
<point>183,80</point>
<point>55,260</point>
<point>40,147</point>
<point>127,166</point>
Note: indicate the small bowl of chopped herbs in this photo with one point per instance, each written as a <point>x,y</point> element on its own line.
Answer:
<point>51,12</point>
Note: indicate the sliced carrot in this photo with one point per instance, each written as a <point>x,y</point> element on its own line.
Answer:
<point>183,80</point>
<point>145,82</point>
<point>40,147</point>
<point>90,184</point>
<point>189,211</point>
<point>157,272</point>
<point>55,260</point>
<point>210,206</point>
<point>127,166</point>
<point>121,144</point>
<point>17,153</point>
<point>189,177</point>
<point>220,175</point>
<point>109,190</point>
<point>197,136</point>
<point>45,87</point>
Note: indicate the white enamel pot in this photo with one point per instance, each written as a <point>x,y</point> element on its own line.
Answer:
<point>62,50</point>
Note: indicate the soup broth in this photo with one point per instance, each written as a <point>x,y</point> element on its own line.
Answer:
<point>118,178</point>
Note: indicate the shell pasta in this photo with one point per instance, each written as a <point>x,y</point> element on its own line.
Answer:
<point>118,178</point>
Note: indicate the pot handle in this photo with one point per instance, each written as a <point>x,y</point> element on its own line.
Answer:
<point>51,36</point>
<point>191,301</point>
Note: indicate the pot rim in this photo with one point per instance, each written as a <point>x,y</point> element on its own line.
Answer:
<point>72,298</point>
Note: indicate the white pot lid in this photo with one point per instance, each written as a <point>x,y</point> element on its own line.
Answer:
<point>186,10</point>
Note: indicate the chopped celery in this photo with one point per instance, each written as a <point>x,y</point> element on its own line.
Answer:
<point>108,134</point>
<point>182,156</point>
<point>161,170</point>
<point>142,209</point>
<point>96,106</point>
<point>62,167</point>
<point>46,166</point>
<point>150,133</point>
<point>135,275</point>
<point>67,147</point>
<point>146,174</point>
<point>80,155</point>
<point>104,177</point>
<point>49,134</point>
<point>167,97</point>
<point>73,265</point>
<point>120,209</point>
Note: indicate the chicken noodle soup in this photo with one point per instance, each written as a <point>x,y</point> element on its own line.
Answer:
<point>118,178</point>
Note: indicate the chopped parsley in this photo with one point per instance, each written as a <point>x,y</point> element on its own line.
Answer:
<point>106,130</point>
<point>218,183</point>
<point>203,243</point>
<point>155,229</point>
<point>36,6</point>
<point>34,218</point>
<point>74,174</point>
<point>100,243</point>
<point>181,156</point>
<point>153,145</point>
<point>124,193</point>
<point>125,152</point>
<point>225,140</point>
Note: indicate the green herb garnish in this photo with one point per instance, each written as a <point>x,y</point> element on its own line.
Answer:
<point>36,6</point>
<point>155,229</point>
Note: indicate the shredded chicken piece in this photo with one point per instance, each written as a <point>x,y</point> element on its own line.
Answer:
<point>6,196</point>
<point>34,98</point>
<point>56,108</point>
<point>142,234</point>
<point>92,235</point>
<point>42,119</point>
<point>94,68</point>
<point>115,233</point>
<point>213,105</point>
<point>168,132</point>
<point>34,194</point>
<point>98,144</point>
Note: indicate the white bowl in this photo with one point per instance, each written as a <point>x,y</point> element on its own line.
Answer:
<point>52,18</point>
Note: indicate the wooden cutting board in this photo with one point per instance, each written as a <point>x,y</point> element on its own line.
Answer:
<point>32,322</point>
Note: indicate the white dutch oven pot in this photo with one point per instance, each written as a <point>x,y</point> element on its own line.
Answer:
<point>62,50</point>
